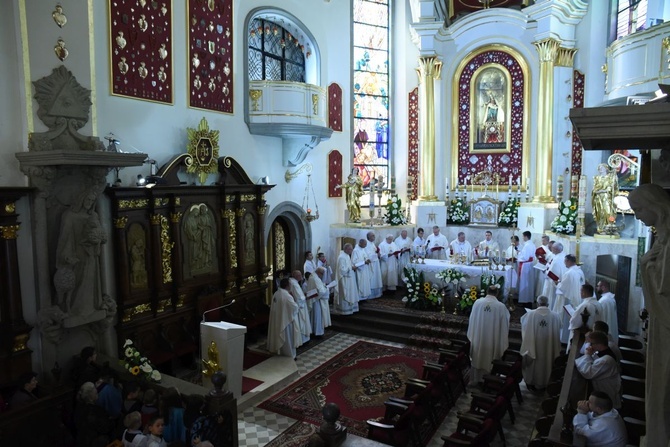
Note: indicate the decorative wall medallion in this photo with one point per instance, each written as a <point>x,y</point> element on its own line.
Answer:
<point>203,150</point>
<point>162,51</point>
<point>120,40</point>
<point>212,85</point>
<point>226,69</point>
<point>59,17</point>
<point>162,76</point>
<point>142,23</point>
<point>197,83</point>
<point>142,71</point>
<point>142,3</point>
<point>60,50</point>
<point>195,60</point>
<point>123,66</point>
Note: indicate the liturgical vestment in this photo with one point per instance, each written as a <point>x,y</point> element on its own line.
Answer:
<point>591,306</point>
<point>375,271</point>
<point>540,345</point>
<point>389,265</point>
<point>554,272</point>
<point>320,310</point>
<point>363,272</point>
<point>527,273</point>
<point>568,291</point>
<point>303,311</point>
<point>609,314</point>
<point>346,292</point>
<point>436,246</point>
<point>488,331</point>
<point>403,259</point>
<point>283,327</point>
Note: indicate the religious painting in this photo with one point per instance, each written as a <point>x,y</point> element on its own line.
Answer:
<point>490,106</point>
<point>627,174</point>
<point>137,240</point>
<point>199,234</point>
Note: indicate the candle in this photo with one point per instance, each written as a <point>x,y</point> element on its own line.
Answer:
<point>581,202</point>
<point>573,186</point>
<point>392,184</point>
<point>559,188</point>
<point>510,181</point>
<point>372,192</point>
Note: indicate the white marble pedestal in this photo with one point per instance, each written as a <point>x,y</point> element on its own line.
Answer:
<point>428,214</point>
<point>536,217</point>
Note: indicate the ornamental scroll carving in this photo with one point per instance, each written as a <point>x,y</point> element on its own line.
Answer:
<point>229,215</point>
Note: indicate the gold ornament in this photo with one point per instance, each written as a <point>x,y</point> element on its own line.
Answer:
<point>203,151</point>
<point>211,365</point>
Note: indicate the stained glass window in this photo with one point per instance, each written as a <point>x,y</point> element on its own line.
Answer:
<point>371,146</point>
<point>631,17</point>
<point>274,54</point>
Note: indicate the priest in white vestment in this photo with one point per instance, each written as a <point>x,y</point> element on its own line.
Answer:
<point>488,331</point>
<point>419,243</point>
<point>460,247</point>
<point>298,295</point>
<point>388,255</point>
<point>320,310</point>
<point>283,326</point>
<point>608,308</point>
<point>436,245</point>
<point>590,306</point>
<point>527,272</point>
<point>360,260</point>
<point>404,244</point>
<point>346,292</point>
<point>488,248</point>
<point>512,252</point>
<point>568,291</point>
<point>328,272</point>
<point>553,273</point>
<point>540,343</point>
<point>376,285</point>
<point>309,265</point>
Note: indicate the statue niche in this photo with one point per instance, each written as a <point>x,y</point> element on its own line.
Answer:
<point>199,241</point>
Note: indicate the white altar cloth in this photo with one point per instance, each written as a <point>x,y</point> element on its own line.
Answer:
<point>433,266</point>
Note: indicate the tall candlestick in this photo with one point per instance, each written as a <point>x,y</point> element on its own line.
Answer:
<point>510,181</point>
<point>574,185</point>
<point>392,185</point>
<point>581,201</point>
<point>372,192</point>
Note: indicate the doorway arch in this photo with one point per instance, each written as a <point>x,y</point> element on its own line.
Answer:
<point>293,231</point>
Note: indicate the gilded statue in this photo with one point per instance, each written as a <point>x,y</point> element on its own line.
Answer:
<point>211,365</point>
<point>605,188</point>
<point>354,191</point>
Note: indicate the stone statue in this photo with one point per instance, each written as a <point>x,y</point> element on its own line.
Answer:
<point>651,204</point>
<point>78,275</point>
<point>605,188</point>
<point>354,191</point>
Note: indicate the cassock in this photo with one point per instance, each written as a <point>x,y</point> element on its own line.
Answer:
<point>376,284</point>
<point>303,311</point>
<point>543,256</point>
<point>389,265</point>
<point>609,314</point>
<point>404,245</point>
<point>527,273</point>
<point>568,291</point>
<point>608,429</point>
<point>283,326</point>
<point>487,249</point>
<point>328,274</point>
<point>320,311</point>
<point>363,272</point>
<point>592,306</point>
<point>488,331</point>
<point>436,247</point>
<point>602,370</point>
<point>511,253</point>
<point>346,292</point>
<point>309,266</point>
<point>551,275</point>
<point>460,248</point>
<point>419,246</point>
<point>540,345</point>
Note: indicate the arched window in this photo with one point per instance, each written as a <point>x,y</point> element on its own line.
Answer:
<point>274,53</point>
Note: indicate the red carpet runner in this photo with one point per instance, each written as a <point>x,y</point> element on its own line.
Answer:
<point>359,380</point>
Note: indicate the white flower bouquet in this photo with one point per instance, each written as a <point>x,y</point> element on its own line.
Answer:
<point>394,215</point>
<point>135,363</point>
<point>566,220</point>
<point>452,276</point>
<point>458,212</point>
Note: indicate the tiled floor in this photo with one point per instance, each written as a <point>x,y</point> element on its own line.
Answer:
<point>257,427</point>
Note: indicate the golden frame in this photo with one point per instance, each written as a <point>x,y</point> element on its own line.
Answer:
<point>476,98</point>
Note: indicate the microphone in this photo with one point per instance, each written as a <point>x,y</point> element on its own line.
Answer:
<point>216,308</point>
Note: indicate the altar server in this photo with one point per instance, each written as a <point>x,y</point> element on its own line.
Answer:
<point>436,245</point>
<point>328,272</point>
<point>526,272</point>
<point>389,252</point>
<point>309,265</point>
<point>298,295</point>
<point>404,244</point>
<point>488,330</point>
<point>608,308</point>
<point>375,267</point>
<point>283,327</point>
<point>360,260</point>
<point>320,310</point>
<point>540,343</point>
<point>598,422</point>
<point>460,246</point>
<point>512,252</point>
<point>568,291</point>
<point>419,244</point>
<point>553,273</point>
<point>346,292</point>
<point>488,247</point>
<point>543,255</point>
<point>600,366</point>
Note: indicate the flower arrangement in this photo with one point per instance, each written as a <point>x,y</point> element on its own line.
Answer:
<point>509,216</point>
<point>488,279</point>
<point>452,276</point>
<point>468,298</point>
<point>458,212</point>
<point>420,294</point>
<point>138,365</point>
<point>394,214</point>
<point>566,220</point>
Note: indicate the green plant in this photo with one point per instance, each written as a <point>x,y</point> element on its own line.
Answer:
<point>566,220</point>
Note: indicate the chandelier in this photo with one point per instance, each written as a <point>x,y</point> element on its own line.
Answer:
<point>310,216</point>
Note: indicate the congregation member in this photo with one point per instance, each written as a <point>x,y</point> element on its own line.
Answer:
<point>599,422</point>
<point>526,272</point>
<point>360,260</point>
<point>589,304</point>
<point>460,247</point>
<point>568,291</point>
<point>601,326</point>
<point>132,435</point>
<point>540,344</point>
<point>94,426</point>
<point>488,332</point>
<point>404,244</point>
<point>608,307</point>
<point>156,429</point>
<point>388,255</point>
<point>372,250</point>
<point>284,327</point>
<point>309,265</point>
<point>346,292</point>
<point>320,312</point>
<point>436,245</point>
<point>328,272</point>
<point>298,295</point>
<point>553,273</point>
<point>25,392</point>
<point>488,247</point>
<point>512,252</point>
<point>419,244</point>
<point>599,365</point>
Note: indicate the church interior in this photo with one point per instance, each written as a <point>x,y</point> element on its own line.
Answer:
<point>169,162</point>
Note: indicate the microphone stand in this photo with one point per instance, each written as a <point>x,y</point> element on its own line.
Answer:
<point>203,321</point>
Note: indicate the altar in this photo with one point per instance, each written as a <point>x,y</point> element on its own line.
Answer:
<point>432,267</point>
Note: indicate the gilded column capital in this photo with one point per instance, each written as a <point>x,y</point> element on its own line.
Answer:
<point>240,212</point>
<point>9,231</point>
<point>156,219</point>
<point>176,217</point>
<point>262,209</point>
<point>547,49</point>
<point>121,222</point>
<point>429,66</point>
<point>565,57</point>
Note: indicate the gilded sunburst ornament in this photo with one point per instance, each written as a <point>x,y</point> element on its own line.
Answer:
<point>203,151</point>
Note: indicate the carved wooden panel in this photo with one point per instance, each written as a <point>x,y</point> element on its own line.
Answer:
<point>335,107</point>
<point>334,173</point>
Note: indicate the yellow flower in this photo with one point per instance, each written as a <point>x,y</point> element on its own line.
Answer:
<point>473,288</point>
<point>473,295</point>
<point>518,203</point>
<point>135,370</point>
<point>573,207</point>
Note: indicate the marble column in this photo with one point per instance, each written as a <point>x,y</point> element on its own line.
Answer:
<point>429,71</point>
<point>547,50</point>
